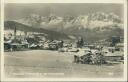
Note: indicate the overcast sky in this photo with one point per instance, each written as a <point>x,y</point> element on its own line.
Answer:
<point>19,10</point>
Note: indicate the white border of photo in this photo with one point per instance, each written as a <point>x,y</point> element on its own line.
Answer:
<point>124,2</point>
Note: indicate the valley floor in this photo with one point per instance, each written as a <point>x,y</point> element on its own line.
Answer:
<point>51,64</point>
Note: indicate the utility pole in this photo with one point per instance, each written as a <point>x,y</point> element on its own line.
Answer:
<point>14,32</point>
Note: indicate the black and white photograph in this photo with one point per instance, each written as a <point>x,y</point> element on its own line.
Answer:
<point>64,40</point>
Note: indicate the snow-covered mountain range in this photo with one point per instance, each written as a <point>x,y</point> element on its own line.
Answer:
<point>101,24</point>
<point>98,19</point>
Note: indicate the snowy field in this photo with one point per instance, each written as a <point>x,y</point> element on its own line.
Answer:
<point>51,64</point>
